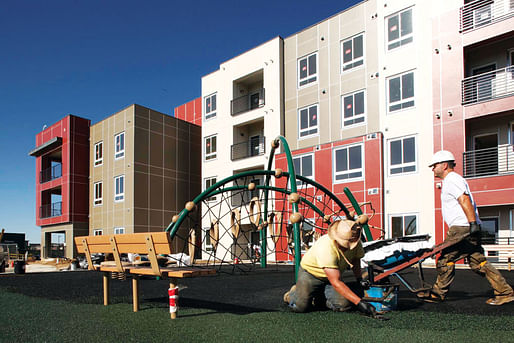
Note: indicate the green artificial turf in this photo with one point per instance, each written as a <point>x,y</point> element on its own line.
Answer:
<point>31,319</point>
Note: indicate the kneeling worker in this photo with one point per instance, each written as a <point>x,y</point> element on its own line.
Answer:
<point>319,276</point>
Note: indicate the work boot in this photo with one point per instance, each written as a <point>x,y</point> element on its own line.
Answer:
<point>500,299</point>
<point>430,297</point>
<point>286,294</point>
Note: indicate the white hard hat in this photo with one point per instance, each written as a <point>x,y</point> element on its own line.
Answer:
<point>442,156</point>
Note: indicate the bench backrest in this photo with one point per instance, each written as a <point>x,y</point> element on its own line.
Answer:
<point>149,243</point>
<point>135,243</point>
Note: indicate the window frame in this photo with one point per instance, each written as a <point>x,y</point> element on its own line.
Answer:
<point>119,197</point>
<point>311,79</point>
<point>403,164</point>
<point>402,40</point>
<point>205,180</point>
<point>349,171</point>
<point>119,228</point>
<point>212,155</point>
<point>213,113</point>
<point>403,216</point>
<point>316,127</point>
<point>99,147</point>
<point>119,154</point>
<point>97,200</point>
<point>300,157</point>
<point>403,101</point>
<point>354,116</point>
<point>98,232</point>
<point>354,63</point>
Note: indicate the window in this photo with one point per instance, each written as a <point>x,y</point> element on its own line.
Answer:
<point>308,121</point>
<point>489,230</point>
<point>210,106</point>
<point>208,243</point>
<point>119,188</point>
<point>210,147</point>
<point>98,232</point>
<point>303,165</point>
<point>402,155</point>
<point>352,52</point>
<point>99,154</point>
<point>401,91</point>
<point>97,193</point>
<point>403,225</point>
<point>399,29</point>
<point>208,183</point>
<point>354,111</point>
<point>307,70</point>
<point>348,163</point>
<point>119,145</point>
<point>119,230</point>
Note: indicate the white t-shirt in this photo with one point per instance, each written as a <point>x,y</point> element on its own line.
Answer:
<point>454,186</point>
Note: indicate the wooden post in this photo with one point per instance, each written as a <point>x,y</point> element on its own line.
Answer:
<point>106,288</point>
<point>173,295</point>
<point>135,293</point>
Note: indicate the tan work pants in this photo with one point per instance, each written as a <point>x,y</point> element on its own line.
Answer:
<point>469,248</point>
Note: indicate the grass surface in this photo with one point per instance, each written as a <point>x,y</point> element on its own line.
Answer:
<point>30,319</point>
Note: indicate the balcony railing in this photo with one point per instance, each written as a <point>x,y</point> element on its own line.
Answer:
<point>50,210</point>
<point>253,147</point>
<point>492,161</point>
<point>488,86</point>
<point>51,173</point>
<point>483,12</point>
<point>247,102</point>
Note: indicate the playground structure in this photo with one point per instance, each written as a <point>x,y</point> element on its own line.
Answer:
<point>253,219</point>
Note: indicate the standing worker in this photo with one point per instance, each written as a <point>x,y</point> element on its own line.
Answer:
<point>461,215</point>
<point>319,277</point>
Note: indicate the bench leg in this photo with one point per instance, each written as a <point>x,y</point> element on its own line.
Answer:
<point>106,288</point>
<point>135,293</point>
<point>173,294</point>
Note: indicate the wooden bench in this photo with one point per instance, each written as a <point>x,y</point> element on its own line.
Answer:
<point>504,251</point>
<point>151,244</point>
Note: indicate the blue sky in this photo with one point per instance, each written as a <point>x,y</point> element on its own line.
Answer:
<point>92,58</point>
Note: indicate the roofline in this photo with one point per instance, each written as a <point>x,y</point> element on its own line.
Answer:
<point>332,16</point>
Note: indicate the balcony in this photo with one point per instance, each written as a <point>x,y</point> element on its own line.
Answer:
<point>488,162</point>
<point>488,86</point>
<point>51,173</point>
<point>253,147</point>
<point>479,13</point>
<point>247,102</point>
<point>50,210</point>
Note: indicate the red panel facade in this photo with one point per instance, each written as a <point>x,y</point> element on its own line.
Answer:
<point>72,181</point>
<point>369,189</point>
<point>190,111</point>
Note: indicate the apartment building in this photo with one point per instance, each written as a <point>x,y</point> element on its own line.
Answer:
<point>473,96</point>
<point>62,169</point>
<point>357,109</point>
<point>145,165</point>
<point>242,113</point>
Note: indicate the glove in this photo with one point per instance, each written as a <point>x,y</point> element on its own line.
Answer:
<point>366,308</point>
<point>474,228</point>
<point>364,283</point>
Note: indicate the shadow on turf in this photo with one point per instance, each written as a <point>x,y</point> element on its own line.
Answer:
<point>210,305</point>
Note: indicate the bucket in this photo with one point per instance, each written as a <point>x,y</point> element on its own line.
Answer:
<point>19,267</point>
<point>389,303</point>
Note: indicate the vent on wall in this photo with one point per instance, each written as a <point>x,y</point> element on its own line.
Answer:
<point>372,191</point>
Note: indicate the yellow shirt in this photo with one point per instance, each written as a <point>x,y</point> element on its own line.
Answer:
<point>325,253</point>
